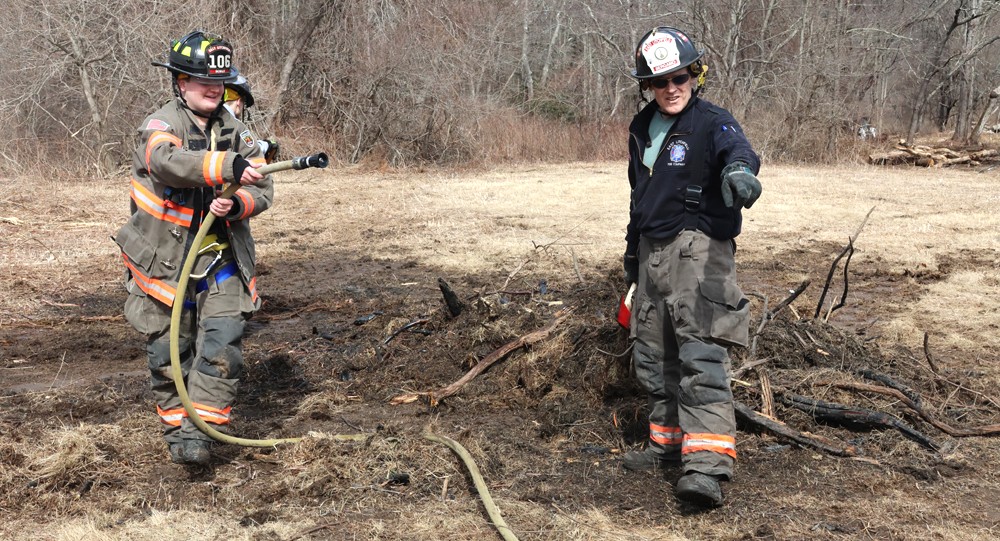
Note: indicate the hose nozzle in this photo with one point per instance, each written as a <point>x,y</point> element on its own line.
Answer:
<point>319,160</point>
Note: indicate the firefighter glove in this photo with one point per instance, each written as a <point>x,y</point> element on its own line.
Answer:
<point>740,188</point>
<point>631,264</point>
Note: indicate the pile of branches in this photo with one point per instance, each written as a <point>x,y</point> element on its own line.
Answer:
<point>926,156</point>
<point>816,370</point>
<point>827,376</point>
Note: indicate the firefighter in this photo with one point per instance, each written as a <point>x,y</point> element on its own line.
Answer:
<point>691,171</point>
<point>238,100</point>
<point>188,150</point>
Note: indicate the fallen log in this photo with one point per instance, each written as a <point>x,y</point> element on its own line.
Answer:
<point>780,429</point>
<point>434,397</point>
<point>915,405</point>
<point>930,156</point>
<point>854,418</point>
<point>893,157</point>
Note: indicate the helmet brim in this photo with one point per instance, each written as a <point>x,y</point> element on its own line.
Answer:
<point>637,77</point>
<point>216,79</point>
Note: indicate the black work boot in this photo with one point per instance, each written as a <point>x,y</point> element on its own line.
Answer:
<point>190,452</point>
<point>648,460</point>
<point>699,489</point>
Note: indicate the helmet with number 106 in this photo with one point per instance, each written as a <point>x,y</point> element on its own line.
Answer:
<point>201,55</point>
<point>665,49</point>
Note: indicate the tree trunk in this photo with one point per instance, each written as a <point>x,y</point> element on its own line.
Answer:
<point>988,111</point>
<point>552,45</point>
<point>963,115</point>
<point>527,80</point>
<point>312,21</point>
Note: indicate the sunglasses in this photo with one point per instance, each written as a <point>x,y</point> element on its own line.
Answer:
<point>678,80</point>
<point>230,95</point>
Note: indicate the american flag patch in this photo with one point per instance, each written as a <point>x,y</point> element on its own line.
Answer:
<point>157,125</point>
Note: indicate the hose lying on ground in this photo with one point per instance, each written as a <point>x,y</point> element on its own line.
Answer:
<point>477,479</point>
<point>317,160</point>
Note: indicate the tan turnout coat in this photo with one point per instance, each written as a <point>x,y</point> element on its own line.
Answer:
<point>173,162</point>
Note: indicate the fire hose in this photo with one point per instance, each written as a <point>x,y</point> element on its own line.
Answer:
<point>319,160</point>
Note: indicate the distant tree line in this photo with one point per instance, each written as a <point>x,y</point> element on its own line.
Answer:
<point>406,82</point>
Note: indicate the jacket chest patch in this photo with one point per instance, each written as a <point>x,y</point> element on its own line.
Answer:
<point>677,152</point>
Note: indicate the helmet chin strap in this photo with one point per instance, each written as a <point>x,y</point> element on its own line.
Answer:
<point>699,70</point>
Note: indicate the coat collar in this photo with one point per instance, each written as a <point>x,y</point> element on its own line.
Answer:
<point>640,123</point>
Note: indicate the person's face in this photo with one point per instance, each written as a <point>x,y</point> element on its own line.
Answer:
<point>236,107</point>
<point>673,90</point>
<point>201,95</point>
<point>233,101</point>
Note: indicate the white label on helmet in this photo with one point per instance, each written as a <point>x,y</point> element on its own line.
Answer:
<point>220,59</point>
<point>661,54</point>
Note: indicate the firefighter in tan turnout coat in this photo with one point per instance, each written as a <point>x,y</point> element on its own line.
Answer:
<point>187,151</point>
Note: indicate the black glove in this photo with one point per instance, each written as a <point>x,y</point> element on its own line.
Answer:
<point>631,265</point>
<point>270,150</point>
<point>740,188</point>
<point>239,165</point>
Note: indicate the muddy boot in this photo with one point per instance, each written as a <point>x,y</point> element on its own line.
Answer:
<point>648,460</point>
<point>699,489</point>
<point>190,452</point>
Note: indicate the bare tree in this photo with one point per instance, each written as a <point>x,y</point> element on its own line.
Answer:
<point>944,62</point>
<point>312,14</point>
<point>415,81</point>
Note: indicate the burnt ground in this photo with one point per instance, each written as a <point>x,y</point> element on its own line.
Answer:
<point>546,424</point>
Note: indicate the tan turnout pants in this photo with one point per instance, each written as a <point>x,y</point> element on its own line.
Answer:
<point>211,333</point>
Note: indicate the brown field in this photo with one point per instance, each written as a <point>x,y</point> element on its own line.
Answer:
<point>81,457</point>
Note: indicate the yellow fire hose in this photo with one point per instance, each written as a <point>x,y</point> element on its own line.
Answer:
<point>317,160</point>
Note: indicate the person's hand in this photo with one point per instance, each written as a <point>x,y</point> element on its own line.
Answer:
<point>250,175</point>
<point>244,172</point>
<point>740,188</point>
<point>631,267</point>
<point>220,207</point>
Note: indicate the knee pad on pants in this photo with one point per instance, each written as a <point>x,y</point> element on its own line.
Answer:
<point>221,354</point>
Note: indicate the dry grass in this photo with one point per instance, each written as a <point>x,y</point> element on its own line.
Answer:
<point>463,222</point>
<point>933,230</point>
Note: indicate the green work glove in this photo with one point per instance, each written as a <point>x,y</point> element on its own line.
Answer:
<point>740,188</point>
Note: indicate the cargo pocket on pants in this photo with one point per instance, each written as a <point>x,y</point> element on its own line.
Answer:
<point>730,312</point>
<point>145,314</point>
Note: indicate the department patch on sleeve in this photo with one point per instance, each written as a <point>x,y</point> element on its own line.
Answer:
<point>247,138</point>
<point>157,125</point>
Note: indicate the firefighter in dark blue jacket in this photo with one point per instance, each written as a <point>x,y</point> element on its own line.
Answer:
<point>692,171</point>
